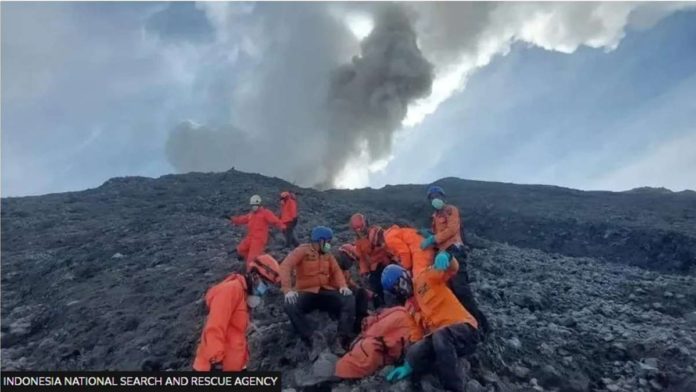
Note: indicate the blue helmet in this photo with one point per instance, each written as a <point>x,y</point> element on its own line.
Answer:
<point>391,275</point>
<point>321,233</point>
<point>435,190</point>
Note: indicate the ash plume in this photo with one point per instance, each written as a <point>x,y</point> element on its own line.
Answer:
<point>312,100</point>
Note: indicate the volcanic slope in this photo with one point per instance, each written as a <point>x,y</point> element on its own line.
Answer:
<point>114,278</point>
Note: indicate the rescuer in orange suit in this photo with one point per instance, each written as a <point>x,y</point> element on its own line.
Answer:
<point>257,222</point>
<point>383,340</point>
<point>288,215</point>
<point>451,331</point>
<point>223,345</point>
<point>447,236</point>
<point>403,244</point>
<point>319,285</point>
<point>372,259</point>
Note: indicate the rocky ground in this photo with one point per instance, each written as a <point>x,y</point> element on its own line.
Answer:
<point>114,278</point>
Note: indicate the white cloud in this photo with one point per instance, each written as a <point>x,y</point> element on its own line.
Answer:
<point>458,49</point>
<point>222,15</point>
<point>356,173</point>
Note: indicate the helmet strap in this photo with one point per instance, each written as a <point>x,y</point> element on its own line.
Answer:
<point>404,287</point>
<point>249,282</point>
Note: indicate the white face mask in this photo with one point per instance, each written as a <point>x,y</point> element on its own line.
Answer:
<point>254,208</point>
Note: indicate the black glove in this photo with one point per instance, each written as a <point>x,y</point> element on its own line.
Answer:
<point>216,367</point>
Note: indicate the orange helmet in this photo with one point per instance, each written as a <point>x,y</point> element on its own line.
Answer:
<point>375,235</point>
<point>358,222</point>
<point>284,195</point>
<point>349,250</point>
<point>267,267</point>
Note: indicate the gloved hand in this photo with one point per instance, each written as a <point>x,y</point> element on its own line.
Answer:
<point>291,297</point>
<point>400,372</point>
<point>442,261</point>
<point>216,367</point>
<point>345,291</point>
<point>427,242</point>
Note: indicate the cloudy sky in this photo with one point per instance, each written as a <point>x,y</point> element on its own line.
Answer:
<point>589,96</point>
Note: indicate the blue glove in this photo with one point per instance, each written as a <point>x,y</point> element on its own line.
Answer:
<point>442,261</point>
<point>399,373</point>
<point>425,233</point>
<point>428,242</point>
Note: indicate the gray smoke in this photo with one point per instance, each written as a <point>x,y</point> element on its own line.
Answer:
<point>278,104</point>
<point>314,99</point>
<point>304,114</point>
<point>369,97</point>
<point>193,147</point>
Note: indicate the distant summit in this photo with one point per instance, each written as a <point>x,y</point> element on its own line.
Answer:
<point>650,190</point>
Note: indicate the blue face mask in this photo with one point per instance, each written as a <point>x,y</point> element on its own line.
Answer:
<point>437,204</point>
<point>261,289</point>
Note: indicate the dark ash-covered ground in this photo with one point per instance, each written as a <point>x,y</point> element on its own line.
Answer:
<point>114,277</point>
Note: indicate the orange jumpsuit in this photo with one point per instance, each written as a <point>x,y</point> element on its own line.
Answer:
<point>370,258</point>
<point>446,227</point>
<point>451,328</point>
<point>318,279</point>
<point>288,209</point>
<point>437,304</point>
<point>224,336</point>
<point>372,261</point>
<point>288,215</point>
<point>382,341</point>
<point>404,243</point>
<point>257,223</point>
<point>313,271</point>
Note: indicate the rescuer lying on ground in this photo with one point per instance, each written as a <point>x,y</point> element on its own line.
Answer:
<point>383,341</point>
<point>223,345</point>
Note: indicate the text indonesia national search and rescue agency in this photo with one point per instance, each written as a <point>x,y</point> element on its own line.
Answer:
<point>262,381</point>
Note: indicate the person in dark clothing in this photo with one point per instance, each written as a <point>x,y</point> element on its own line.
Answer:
<point>462,289</point>
<point>440,350</point>
<point>346,256</point>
